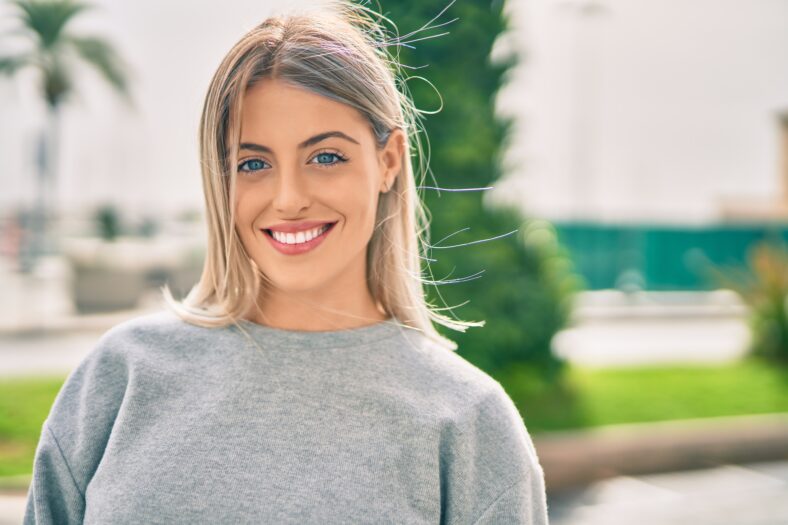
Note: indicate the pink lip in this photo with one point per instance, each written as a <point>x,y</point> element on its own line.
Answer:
<point>296,249</point>
<point>294,227</point>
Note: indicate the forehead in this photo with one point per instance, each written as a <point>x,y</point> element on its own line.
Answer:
<point>273,104</point>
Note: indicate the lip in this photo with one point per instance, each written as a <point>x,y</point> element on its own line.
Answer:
<point>295,227</point>
<point>297,249</point>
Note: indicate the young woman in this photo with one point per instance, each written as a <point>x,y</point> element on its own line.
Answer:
<point>302,379</point>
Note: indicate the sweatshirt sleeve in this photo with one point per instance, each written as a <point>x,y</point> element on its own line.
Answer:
<point>75,434</point>
<point>522,502</point>
<point>490,471</point>
<point>54,496</point>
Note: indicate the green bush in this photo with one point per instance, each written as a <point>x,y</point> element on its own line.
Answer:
<point>107,219</point>
<point>763,286</point>
<point>521,284</point>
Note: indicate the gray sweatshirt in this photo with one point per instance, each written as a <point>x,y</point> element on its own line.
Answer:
<point>167,422</point>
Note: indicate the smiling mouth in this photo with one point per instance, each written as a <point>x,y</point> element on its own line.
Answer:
<point>298,238</point>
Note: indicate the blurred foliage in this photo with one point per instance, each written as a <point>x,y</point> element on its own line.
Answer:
<point>107,219</point>
<point>148,227</point>
<point>763,285</point>
<point>56,54</point>
<point>526,283</point>
<point>55,50</point>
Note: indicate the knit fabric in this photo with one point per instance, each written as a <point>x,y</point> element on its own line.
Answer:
<point>167,422</point>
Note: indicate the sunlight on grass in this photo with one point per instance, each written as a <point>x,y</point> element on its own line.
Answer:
<point>594,397</point>
<point>24,405</point>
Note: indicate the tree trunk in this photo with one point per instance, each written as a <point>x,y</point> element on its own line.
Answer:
<point>51,211</point>
<point>44,215</point>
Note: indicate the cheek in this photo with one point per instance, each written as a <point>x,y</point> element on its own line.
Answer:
<point>245,212</point>
<point>361,193</point>
<point>356,201</point>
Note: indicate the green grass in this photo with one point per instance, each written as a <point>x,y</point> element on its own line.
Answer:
<point>24,405</point>
<point>589,398</point>
<point>597,397</point>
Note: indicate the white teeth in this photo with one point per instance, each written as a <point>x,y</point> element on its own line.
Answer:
<point>299,237</point>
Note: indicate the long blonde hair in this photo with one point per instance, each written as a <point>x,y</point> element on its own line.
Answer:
<point>342,54</point>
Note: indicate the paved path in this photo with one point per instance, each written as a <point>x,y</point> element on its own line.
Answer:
<point>753,494</point>
<point>12,508</point>
<point>58,347</point>
<point>610,328</point>
<point>31,355</point>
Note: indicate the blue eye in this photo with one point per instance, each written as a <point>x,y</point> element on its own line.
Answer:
<point>328,158</point>
<point>251,165</point>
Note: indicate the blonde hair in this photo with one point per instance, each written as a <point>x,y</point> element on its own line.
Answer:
<point>342,55</point>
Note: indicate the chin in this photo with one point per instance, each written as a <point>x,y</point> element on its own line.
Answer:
<point>294,283</point>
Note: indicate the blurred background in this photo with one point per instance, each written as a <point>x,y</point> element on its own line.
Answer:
<point>622,226</point>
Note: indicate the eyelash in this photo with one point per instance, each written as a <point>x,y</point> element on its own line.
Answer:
<point>339,159</point>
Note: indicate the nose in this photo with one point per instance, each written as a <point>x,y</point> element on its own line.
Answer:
<point>291,193</point>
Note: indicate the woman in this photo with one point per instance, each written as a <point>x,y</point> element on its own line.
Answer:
<point>301,380</point>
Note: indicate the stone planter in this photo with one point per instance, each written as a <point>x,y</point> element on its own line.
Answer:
<point>107,276</point>
<point>114,275</point>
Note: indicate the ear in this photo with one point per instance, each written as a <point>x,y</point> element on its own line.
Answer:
<point>390,159</point>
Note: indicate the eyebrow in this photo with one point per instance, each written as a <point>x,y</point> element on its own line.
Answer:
<point>311,141</point>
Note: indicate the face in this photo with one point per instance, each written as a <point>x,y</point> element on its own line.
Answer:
<point>309,179</point>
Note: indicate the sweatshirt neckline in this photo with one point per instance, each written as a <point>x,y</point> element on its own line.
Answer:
<point>347,337</point>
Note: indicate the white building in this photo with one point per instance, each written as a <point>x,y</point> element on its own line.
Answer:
<point>650,110</point>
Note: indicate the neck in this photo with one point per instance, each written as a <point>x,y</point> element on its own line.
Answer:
<point>344,303</point>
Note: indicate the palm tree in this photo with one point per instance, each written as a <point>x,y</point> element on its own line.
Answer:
<point>53,51</point>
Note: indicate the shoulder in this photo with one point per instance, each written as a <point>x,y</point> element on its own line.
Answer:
<point>101,377</point>
<point>457,388</point>
<point>444,370</point>
<point>150,327</point>
<point>485,447</point>
<point>154,338</point>
<point>94,391</point>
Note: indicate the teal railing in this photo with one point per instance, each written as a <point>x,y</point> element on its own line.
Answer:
<point>659,257</point>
